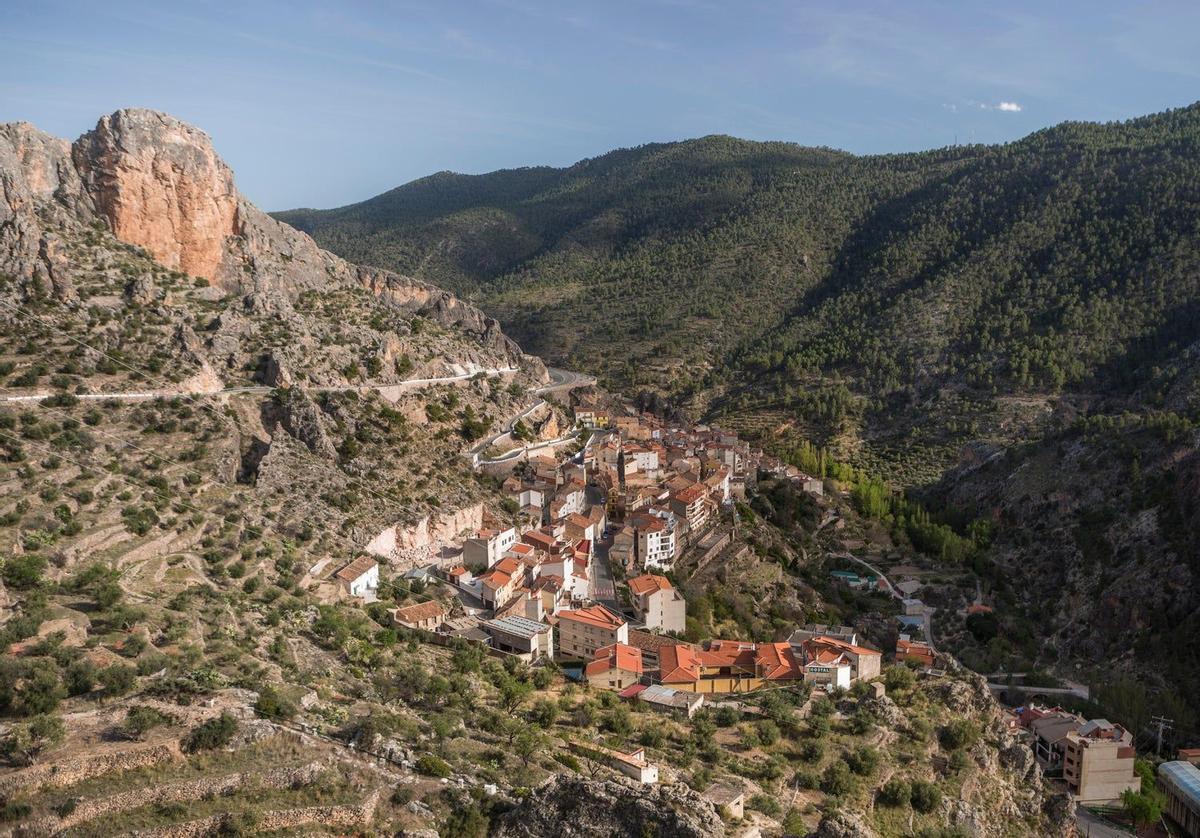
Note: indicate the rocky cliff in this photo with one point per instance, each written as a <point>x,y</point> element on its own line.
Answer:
<point>158,184</point>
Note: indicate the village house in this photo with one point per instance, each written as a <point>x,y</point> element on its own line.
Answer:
<point>583,631</point>
<point>360,578</point>
<point>655,542</point>
<point>845,634</point>
<point>579,527</point>
<point>1050,731</point>
<point>423,615</point>
<point>650,645</point>
<point>915,651</point>
<point>657,604</point>
<point>486,547</point>
<point>500,582</point>
<point>727,666</point>
<point>623,549</point>
<point>729,797</point>
<point>665,699</point>
<point>614,667</point>
<point>692,504</point>
<point>521,636</point>
<point>632,764</point>
<point>865,663</point>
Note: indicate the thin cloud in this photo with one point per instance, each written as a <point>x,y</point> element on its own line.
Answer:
<point>1008,106</point>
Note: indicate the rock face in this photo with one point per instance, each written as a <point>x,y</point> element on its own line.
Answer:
<point>161,186</point>
<point>572,807</point>
<point>157,183</point>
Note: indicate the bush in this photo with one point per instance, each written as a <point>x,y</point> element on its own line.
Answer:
<point>837,779</point>
<point>272,705</point>
<point>863,761</point>
<point>895,792</point>
<point>959,733</point>
<point>812,750</point>
<point>215,733</point>
<point>764,803</point>
<point>899,678</point>
<point>925,796</point>
<point>140,720</point>
<point>432,766</point>
<point>117,679</point>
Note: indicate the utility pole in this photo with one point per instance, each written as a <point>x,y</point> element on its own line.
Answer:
<point>1163,724</point>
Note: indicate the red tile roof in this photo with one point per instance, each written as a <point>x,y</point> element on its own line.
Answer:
<point>616,656</point>
<point>419,613</point>
<point>648,583</point>
<point>594,615</point>
<point>356,568</point>
<point>691,494</point>
<point>678,664</point>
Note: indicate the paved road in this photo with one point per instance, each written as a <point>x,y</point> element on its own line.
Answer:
<point>261,390</point>
<point>895,593</point>
<point>560,381</point>
<point>604,589</point>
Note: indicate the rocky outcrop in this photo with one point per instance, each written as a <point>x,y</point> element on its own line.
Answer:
<point>572,807</point>
<point>161,186</point>
<point>157,183</point>
<point>301,418</point>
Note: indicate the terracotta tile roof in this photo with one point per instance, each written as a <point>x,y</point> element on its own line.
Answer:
<point>649,642</point>
<point>579,520</point>
<point>678,664</point>
<point>356,568</point>
<point>691,494</point>
<point>594,615</point>
<point>841,645</point>
<point>419,612</point>
<point>507,565</point>
<point>648,583</point>
<point>495,579</point>
<point>616,656</point>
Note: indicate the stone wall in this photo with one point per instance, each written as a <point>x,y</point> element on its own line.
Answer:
<point>345,817</point>
<point>86,767</point>
<point>88,810</point>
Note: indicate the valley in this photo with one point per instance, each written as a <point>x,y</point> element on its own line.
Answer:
<point>292,544</point>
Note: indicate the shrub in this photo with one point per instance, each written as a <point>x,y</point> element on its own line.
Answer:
<point>899,678</point>
<point>925,796</point>
<point>957,734</point>
<point>215,733</point>
<point>837,779</point>
<point>895,792</point>
<point>272,705</point>
<point>812,750</point>
<point>765,803</point>
<point>117,679</point>
<point>139,720</point>
<point>863,761</point>
<point>432,766</point>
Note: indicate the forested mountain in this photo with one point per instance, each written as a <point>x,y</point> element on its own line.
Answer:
<point>1007,332</point>
<point>1064,260</point>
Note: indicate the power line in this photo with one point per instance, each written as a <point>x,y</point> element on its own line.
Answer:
<point>1162,724</point>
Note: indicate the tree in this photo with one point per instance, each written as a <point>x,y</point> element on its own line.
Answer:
<point>41,688</point>
<point>214,733</point>
<point>528,743</point>
<point>117,680</point>
<point>273,705</point>
<point>925,796</point>
<point>837,779</point>
<point>140,720</point>
<point>895,792</point>
<point>26,740</point>
<point>899,678</point>
<point>1144,809</point>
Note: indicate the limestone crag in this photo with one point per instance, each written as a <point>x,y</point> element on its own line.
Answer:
<point>158,184</point>
<point>573,807</point>
<point>161,186</point>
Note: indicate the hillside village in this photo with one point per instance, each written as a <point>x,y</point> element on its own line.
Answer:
<point>578,577</point>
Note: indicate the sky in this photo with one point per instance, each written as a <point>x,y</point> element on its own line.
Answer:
<point>325,104</point>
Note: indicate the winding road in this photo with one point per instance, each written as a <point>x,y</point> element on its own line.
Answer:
<point>560,381</point>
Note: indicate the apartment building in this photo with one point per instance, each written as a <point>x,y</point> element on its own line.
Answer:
<point>1098,762</point>
<point>583,631</point>
<point>657,603</point>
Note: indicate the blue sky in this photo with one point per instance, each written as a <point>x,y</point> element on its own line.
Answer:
<point>325,104</point>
